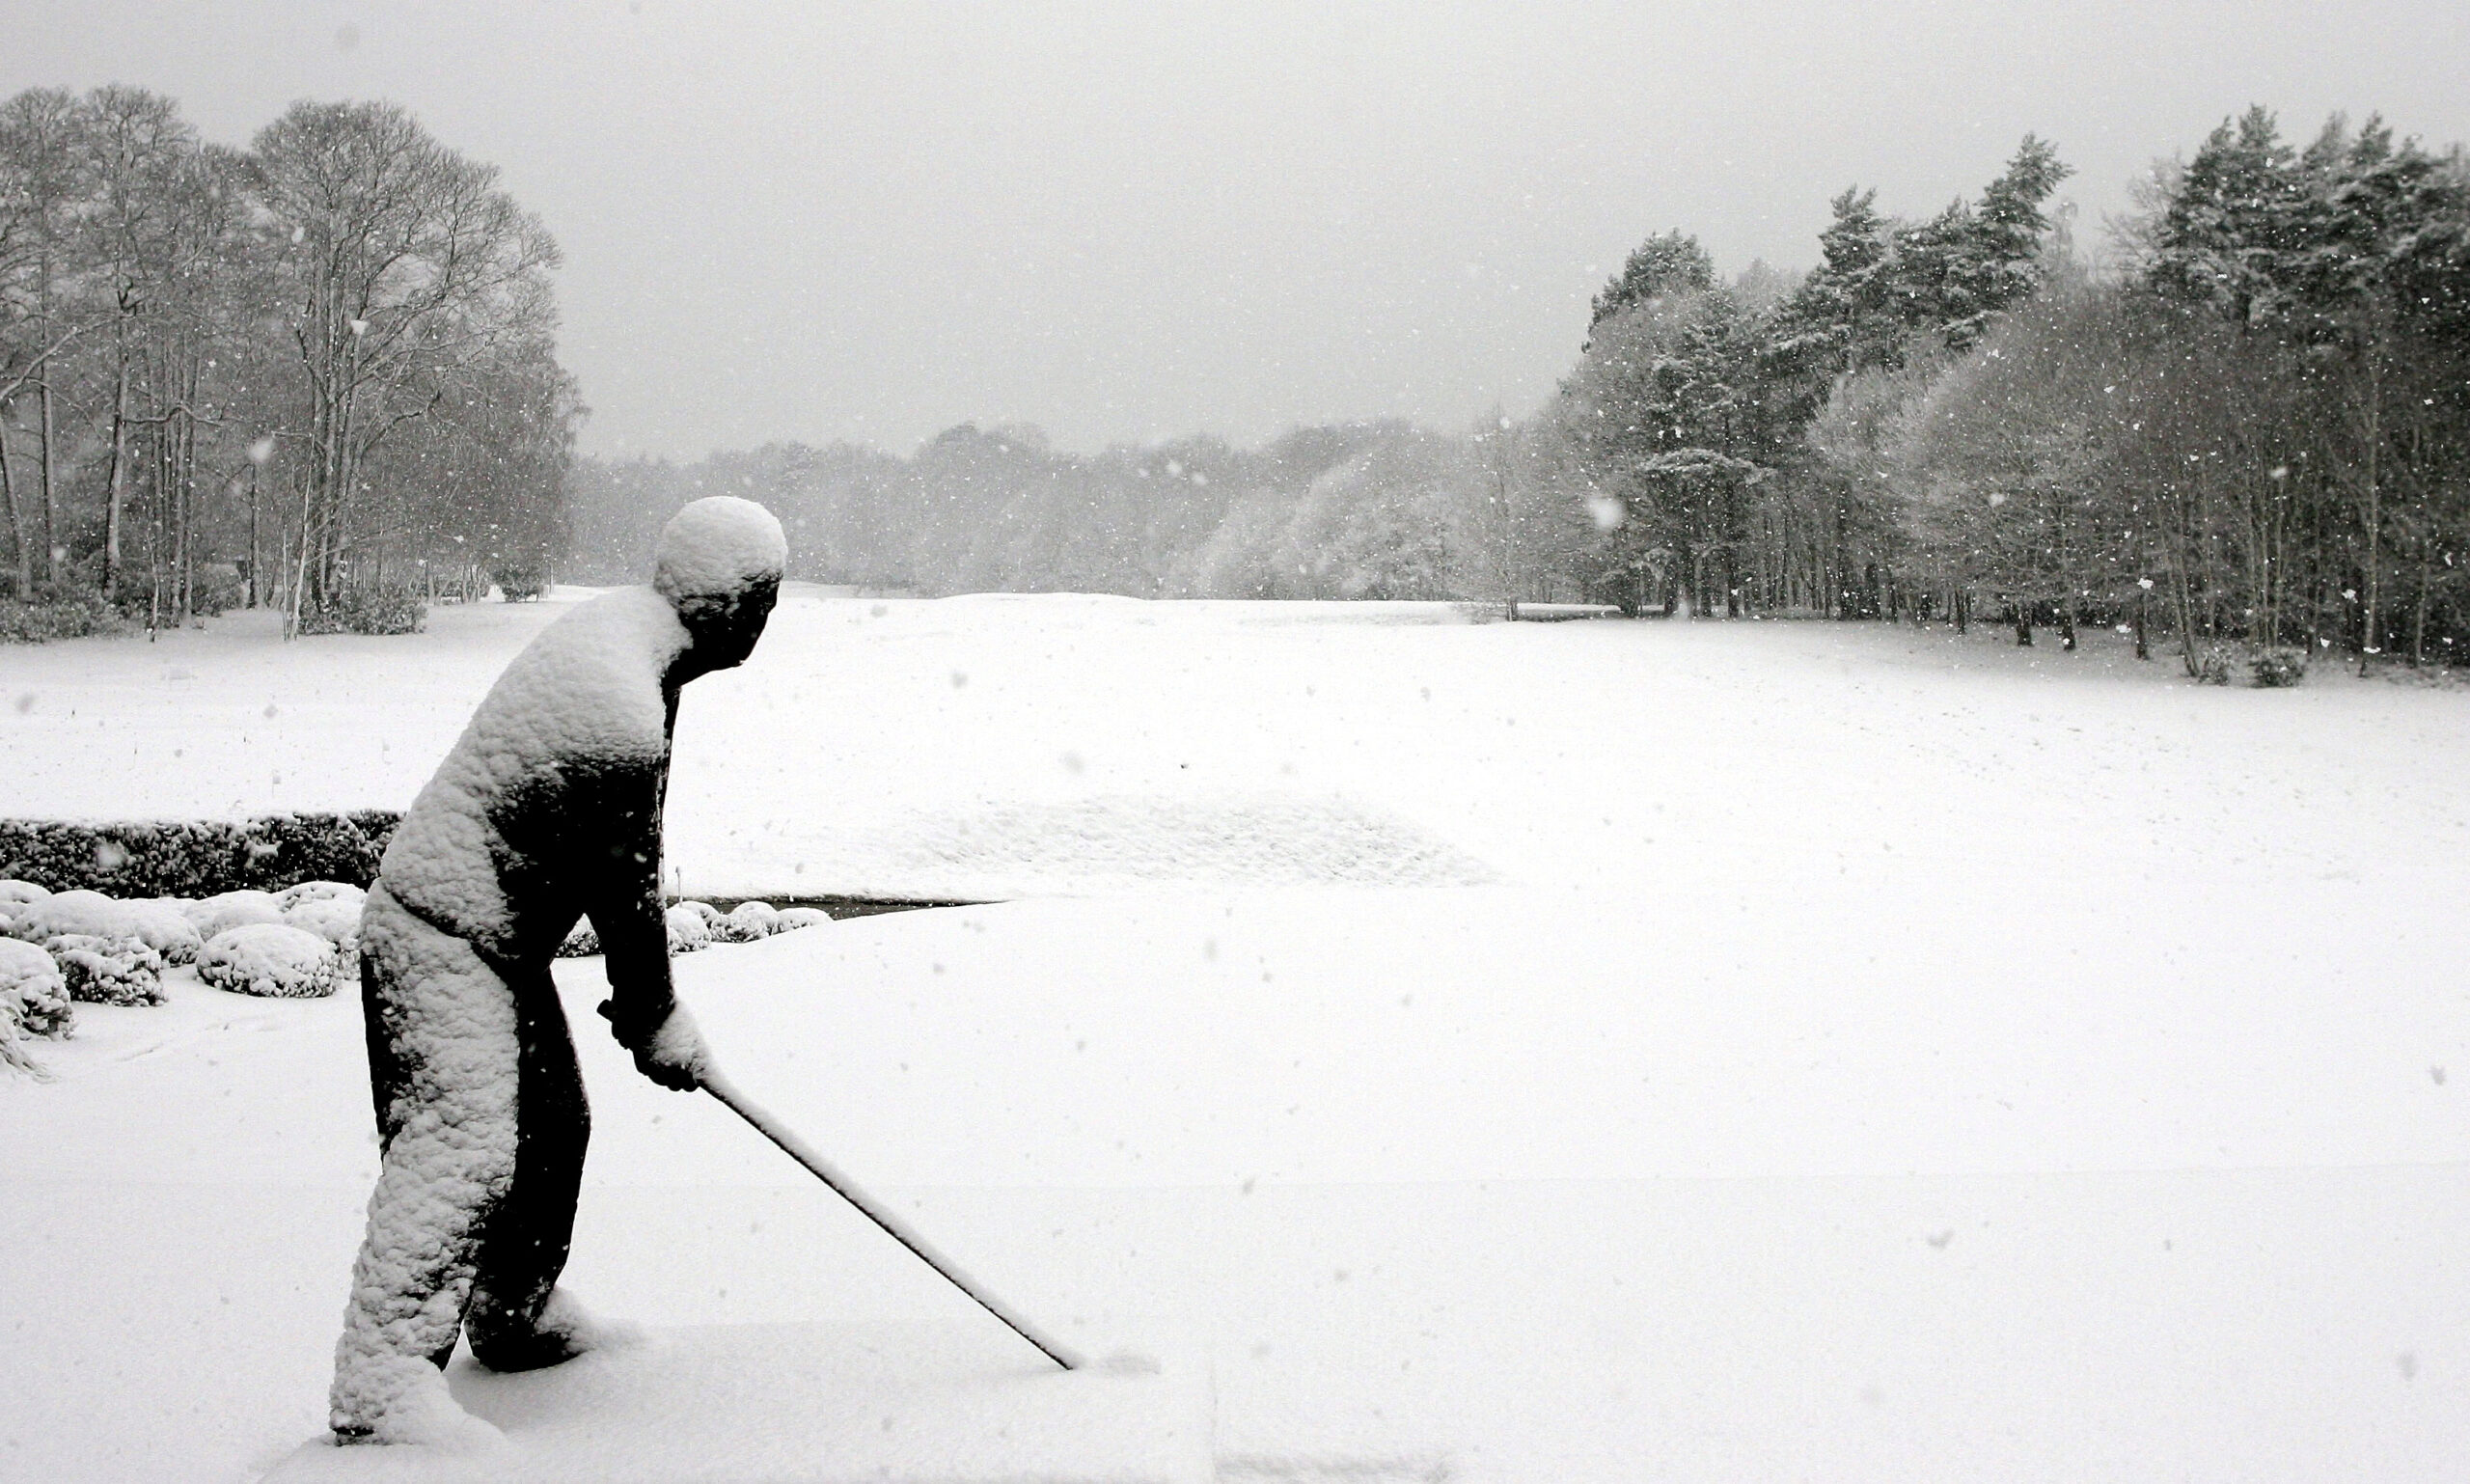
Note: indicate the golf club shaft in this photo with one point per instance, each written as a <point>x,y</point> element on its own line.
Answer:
<point>822,1169</point>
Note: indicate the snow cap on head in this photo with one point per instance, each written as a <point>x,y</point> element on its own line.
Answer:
<point>719,545</point>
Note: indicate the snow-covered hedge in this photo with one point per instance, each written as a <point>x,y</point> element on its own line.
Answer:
<point>196,858</point>
<point>789,919</point>
<point>273,960</point>
<point>108,971</point>
<point>34,996</point>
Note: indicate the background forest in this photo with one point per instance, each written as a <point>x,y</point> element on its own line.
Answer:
<point>321,374</point>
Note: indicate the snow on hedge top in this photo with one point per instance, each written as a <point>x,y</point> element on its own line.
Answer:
<point>584,694</point>
<point>718,545</point>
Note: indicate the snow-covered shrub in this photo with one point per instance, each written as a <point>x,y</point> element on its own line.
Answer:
<point>70,615</point>
<point>320,891</point>
<point>107,971</point>
<point>88,913</point>
<point>34,996</point>
<point>581,941</point>
<point>271,959</point>
<point>368,611</point>
<point>161,924</point>
<point>790,918</point>
<point>335,918</point>
<point>520,581</point>
<point>748,922</point>
<point>22,892</point>
<point>689,930</point>
<point>14,1056</point>
<point>2276,668</point>
<point>196,858</point>
<point>228,910</point>
<point>2213,663</point>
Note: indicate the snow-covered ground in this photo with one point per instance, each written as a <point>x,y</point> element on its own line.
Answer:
<point>1586,1051</point>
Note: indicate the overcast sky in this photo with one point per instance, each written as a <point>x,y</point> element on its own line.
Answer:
<point>813,221</point>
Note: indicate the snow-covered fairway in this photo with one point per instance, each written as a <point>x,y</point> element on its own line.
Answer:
<point>1595,1051</point>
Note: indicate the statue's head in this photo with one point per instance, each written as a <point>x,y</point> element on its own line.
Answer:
<point>720,564</point>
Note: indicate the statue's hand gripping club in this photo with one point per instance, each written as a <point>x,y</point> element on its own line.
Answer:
<point>670,1052</point>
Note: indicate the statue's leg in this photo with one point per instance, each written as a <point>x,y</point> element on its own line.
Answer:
<point>445,1071</point>
<point>518,1320</point>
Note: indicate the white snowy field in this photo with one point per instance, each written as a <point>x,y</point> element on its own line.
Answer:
<point>1589,1051</point>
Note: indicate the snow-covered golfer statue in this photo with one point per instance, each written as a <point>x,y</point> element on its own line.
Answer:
<point>547,810</point>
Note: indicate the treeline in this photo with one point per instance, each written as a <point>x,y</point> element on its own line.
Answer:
<point>2247,434</point>
<point>318,373</point>
<point>1362,510</point>
<point>2254,433</point>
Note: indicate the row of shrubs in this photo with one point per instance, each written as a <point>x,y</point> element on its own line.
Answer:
<point>695,925</point>
<point>2271,668</point>
<point>195,859</point>
<point>59,948</point>
<point>62,615</point>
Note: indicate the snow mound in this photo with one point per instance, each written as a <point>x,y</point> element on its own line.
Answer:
<point>718,545</point>
<point>335,918</point>
<point>160,923</point>
<point>107,971</point>
<point>320,891</point>
<point>82,912</point>
<point>220,914</point>
<point>272,960</point>
<point>792,1403</point>
<point>748,922</point>
<point>14,891</point>
<point>1098,845</point>
<point>33,995</point>
<point>690,930</point>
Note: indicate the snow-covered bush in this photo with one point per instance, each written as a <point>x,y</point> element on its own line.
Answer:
<point>34,996</point>
<point>748,922</point>
<point>689,930</point>
<point>21,892</point>
<point>226,910</point>
<point>271,959</point>
<point>581,941</point>
<point>107,971</point>
<point>2213,663</point>
<point>320,891</point>
<point>90,914</point>
<point>68,615</point>
<point>2276,668</point>
<point>160,923</point>
<point>369,609</point>
<point>335,918</point>
<point>790,918</point>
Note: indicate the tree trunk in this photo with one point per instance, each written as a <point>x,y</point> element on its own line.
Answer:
<point>2369,640</point>
<point>25,573</point>
<point>116,484</point>
<point>2024,624</point>
<point>2143,648</point>
<point>51,544</point>
<point>2066,626</point>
